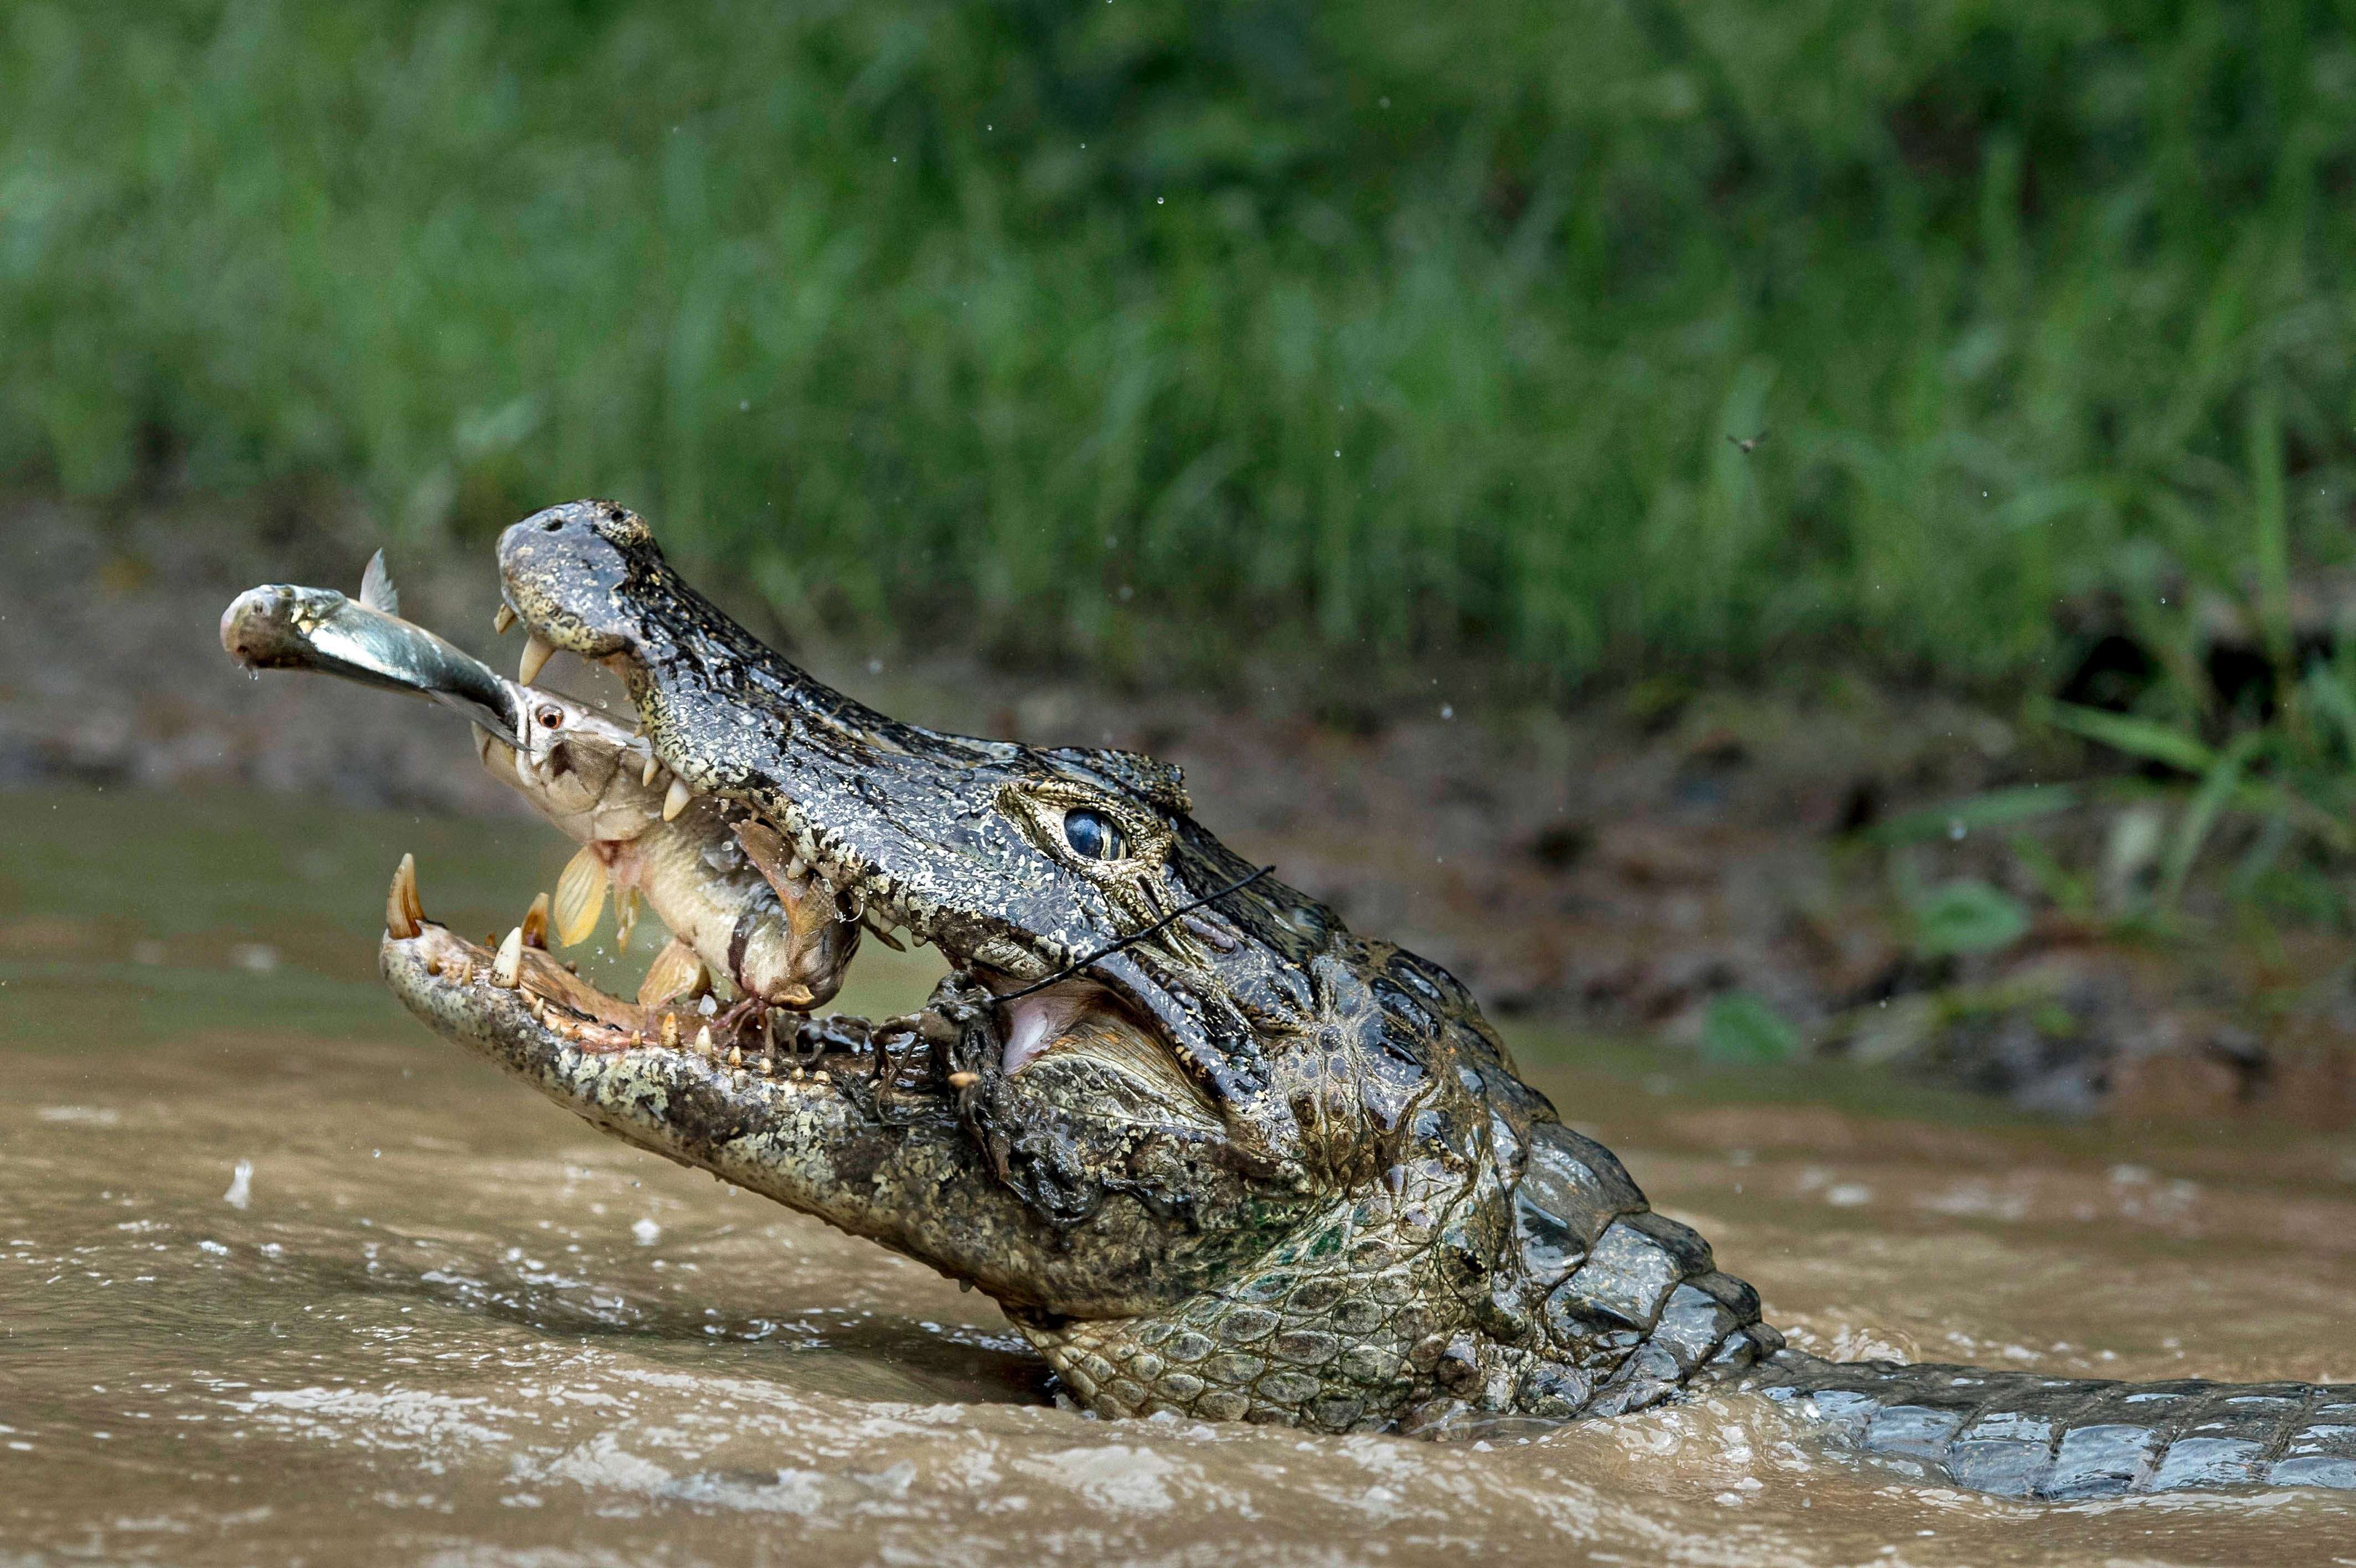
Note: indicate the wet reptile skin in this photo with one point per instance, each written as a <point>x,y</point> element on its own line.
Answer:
<point>1287,1173</point>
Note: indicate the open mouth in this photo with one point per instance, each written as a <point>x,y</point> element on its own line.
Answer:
<point>759,935</point>
<point>762,930</point>
<point>497,986</point>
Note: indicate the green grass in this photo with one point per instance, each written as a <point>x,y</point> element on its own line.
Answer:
<point>1423,325</point>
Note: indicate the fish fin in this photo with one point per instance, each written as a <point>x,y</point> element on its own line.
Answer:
<point>377,591</point>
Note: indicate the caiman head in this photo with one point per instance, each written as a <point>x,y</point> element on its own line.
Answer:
<point>1211,1150</point>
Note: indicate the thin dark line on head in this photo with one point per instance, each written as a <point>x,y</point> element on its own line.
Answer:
<point>1060,976</point>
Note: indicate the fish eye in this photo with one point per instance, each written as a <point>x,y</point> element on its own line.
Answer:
<point>551,717</point>
<point>1092,836</point>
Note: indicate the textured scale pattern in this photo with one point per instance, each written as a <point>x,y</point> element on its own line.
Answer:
<point>2017,1434</point>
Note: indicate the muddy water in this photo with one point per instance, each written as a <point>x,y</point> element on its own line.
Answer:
<point>283,1278</point>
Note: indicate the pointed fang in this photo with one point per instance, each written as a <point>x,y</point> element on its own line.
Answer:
<point>676,798</point>
<point>648,774</point>
<point>704,1041</point>
<point>536,649</point>
<point>404,914</point>
<point>535,923</point>
<point>502,619</point>
<point>508,966</point>
<point>580,898</point>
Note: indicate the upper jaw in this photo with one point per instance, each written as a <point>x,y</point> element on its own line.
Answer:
<point>585,576</point>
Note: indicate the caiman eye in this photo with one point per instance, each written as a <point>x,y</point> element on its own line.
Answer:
<point>1091,835</point>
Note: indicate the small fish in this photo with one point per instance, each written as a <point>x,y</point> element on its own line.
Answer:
<point>281,627</point>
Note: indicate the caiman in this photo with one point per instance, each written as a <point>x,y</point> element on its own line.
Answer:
<point>1213,1152</point>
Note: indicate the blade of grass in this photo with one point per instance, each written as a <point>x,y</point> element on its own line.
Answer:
<point>2270,535</point>
<point>2216,791</point>
<point>1993,808</point>
<point>2125,732</point>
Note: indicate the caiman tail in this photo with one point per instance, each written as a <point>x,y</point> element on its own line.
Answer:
<point>2021,1436</point>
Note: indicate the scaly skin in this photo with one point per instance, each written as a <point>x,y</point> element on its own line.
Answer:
<point>1252,1165</point>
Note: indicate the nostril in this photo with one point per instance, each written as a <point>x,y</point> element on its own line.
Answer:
<point>554,525</point>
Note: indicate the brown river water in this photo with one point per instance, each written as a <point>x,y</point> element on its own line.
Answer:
<point>283,1278</point>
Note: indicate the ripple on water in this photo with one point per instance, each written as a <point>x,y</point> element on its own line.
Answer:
<point>347,1296</point>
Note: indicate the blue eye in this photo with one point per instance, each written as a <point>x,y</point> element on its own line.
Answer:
<point>1091,836</point>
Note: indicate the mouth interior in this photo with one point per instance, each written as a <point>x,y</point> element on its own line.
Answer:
<point>759,937</point>
<point>681,1005</point>
<point>713,1025</point>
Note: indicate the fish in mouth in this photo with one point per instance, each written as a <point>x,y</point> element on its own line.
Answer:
<point>1213,1153</point>
<point>737,904</point>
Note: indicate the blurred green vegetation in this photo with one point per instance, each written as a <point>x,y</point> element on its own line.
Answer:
<point>1440,327</point>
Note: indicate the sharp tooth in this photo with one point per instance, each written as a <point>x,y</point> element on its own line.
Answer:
<point>402,911</point>
<point>795,869</point>
<point>678,971</point>
<point>735,1057</point>
<point>648,774</point>
<point>509,961</point>
<point>670,1031</point>
<point>676,798</point>
<point>964,1080</point>
<point>580,897</point>
<point>535,923</point>
<point>704,1040</point>
<point>502,619</point>
<point>536,649</point>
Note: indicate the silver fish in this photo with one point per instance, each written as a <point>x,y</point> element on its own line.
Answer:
<point>281,627</point>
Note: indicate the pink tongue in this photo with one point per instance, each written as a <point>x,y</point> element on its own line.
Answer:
<point>1034,1023</point>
